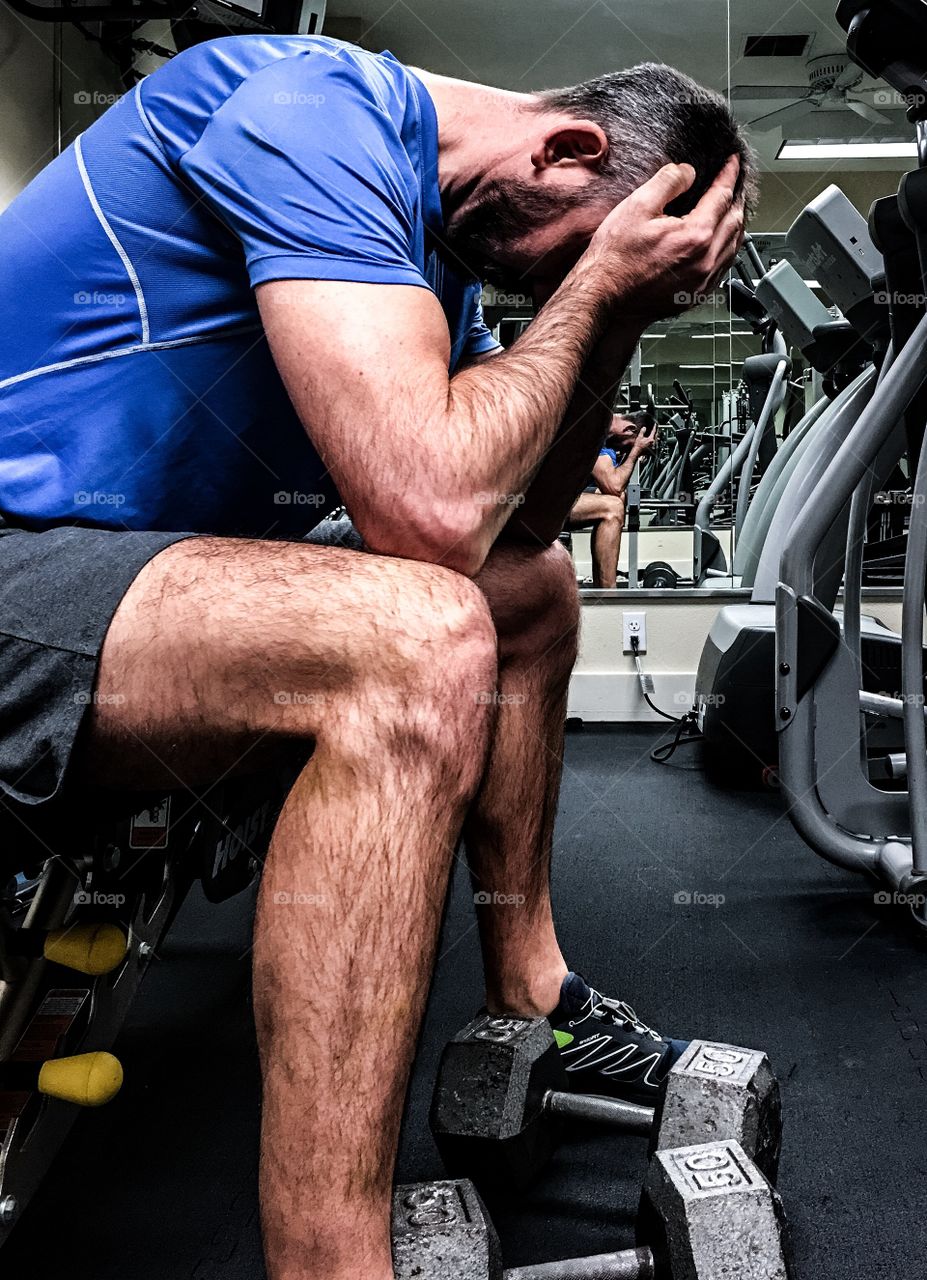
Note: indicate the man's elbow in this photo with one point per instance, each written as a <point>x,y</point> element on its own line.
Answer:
<point>455,539</point>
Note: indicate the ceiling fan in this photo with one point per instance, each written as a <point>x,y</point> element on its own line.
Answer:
<point>831,78</point>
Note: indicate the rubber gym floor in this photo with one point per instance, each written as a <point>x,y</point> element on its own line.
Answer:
<point>162,1184</point>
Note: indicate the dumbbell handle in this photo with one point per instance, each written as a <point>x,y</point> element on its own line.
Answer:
<point>630,1264</point>
<point>629,1117</point>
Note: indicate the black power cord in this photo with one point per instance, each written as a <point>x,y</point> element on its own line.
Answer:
<point>687,729</point>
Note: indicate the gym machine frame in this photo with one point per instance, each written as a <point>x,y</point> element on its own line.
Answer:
<point>819,705</point>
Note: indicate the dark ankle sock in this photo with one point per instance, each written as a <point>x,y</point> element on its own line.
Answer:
<point>574,996</point>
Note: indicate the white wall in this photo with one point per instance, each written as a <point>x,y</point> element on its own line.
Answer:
<point>28,92</point>
<point>604,685</point>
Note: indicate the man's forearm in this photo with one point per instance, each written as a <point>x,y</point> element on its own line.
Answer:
<point>568,463</point>
<point>621,476</point>
<point>522,418</point>
<point>457,452</point>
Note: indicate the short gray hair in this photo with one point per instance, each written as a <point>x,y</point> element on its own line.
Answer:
<point>654,115</point>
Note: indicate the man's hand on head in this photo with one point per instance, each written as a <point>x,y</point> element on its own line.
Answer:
<point>623,432</point>
<point>657,265</point>
<point>644,440</point>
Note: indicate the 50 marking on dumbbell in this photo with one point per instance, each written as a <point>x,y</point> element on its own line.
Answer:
<point>502,1100</point>
<point>707,1214</point>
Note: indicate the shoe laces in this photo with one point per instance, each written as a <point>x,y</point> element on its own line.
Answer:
<point>617,1012</point>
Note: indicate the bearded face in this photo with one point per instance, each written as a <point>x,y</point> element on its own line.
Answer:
<point>514,231</point>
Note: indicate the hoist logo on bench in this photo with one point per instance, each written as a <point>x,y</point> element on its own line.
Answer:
<point>241,838</point>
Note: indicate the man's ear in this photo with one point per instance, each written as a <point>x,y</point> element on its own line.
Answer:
<point>575,143</point>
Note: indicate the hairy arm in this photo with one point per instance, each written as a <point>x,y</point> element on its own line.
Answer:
<point>618,478</point>
<point>603,473</point>
<point>450,453</point>
<point>615,480</point>
<point>572,456</point>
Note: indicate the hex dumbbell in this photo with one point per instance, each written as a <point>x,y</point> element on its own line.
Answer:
<point>707,1214</point>
<point>502,1102</point>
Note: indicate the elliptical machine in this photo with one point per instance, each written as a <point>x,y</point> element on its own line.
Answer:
<point>736,675</point>
<point>825,716</point>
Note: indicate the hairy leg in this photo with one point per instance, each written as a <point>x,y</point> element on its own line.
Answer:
<point>509,829</point>
<point>607,512</point>
<point>383,663</point>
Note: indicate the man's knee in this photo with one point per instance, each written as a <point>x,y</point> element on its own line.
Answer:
<point>613,515</point>
<point>440,631</point>
<point>424,689</point>
<point>535,602</point>
<point>453,651</point>
<point>557,609</point>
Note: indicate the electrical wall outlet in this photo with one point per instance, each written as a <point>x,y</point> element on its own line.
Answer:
<point>634,625</point>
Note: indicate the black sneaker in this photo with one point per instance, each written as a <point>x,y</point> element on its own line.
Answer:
<point>605,1047</point>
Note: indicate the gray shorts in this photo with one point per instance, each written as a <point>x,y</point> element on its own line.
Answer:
<point>59,591</point>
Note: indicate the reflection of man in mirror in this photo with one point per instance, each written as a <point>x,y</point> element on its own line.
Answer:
<point>604,500</point>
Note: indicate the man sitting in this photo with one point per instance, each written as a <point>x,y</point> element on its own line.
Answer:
<point>603,502</point>
<point>266,242</point>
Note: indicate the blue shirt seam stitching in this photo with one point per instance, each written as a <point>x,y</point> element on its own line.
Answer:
<point>146,123</point>
<point>114,241</point>
<point>137,348</point>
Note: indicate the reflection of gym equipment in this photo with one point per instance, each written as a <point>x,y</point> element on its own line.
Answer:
<point>763,387</point>
<point>764,379</point>
<point>665,489</point>
<point>673,481</point>
<point>665,501</point>
<point>826,716</point>
<point>736,671</point>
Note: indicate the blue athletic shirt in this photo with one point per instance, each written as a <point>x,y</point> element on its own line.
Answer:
<point>136,387</point>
